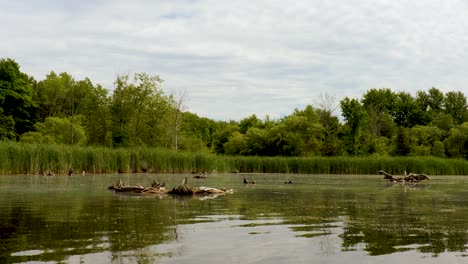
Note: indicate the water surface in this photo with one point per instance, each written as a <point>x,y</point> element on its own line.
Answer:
<point>317,219</point>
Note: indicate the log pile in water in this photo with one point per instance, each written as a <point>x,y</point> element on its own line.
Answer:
<point>410,178</point>
<point>156,188</point>
<point>159,188</point>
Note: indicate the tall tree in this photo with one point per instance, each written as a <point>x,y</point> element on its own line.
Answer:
<point>17,109</point>
<point>97,120</point>
<point>132,102</point>
<point>380,105</point>
<point>455,105</point>
<point>356,119</point>
<point>403,146</point>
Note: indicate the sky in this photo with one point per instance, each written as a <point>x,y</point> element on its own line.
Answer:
<point>231,59</point>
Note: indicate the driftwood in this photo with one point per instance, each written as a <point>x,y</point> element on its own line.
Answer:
<point>405,178</point>
<point>252,181</point>
<point>159,189</point>
<point>156,188</point>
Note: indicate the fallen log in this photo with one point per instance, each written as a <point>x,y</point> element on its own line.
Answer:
<point>158,189</point>
<point>410,178</point>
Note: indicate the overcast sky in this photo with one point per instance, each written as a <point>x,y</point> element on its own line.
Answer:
<point>236,58</point>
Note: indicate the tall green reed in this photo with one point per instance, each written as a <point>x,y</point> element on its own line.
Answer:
<point>19,158</point>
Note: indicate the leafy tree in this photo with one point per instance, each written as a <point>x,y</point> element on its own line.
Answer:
<point>197,131</point>
<point>248,122</point>
<point>428,104</point>
<point>7,126</point>
<point>257,142</point>
<point>456,143</point>
<point>97,116</point>
<point>455,105</point>
<point>406,110</point>
<point>132,103</point>
<point>443,121</point>
<point>54,95</point>
<point>438,149</point>
<point>284,142</point>
<point>356,119</point>
<point>17,109</point>
<point>56,130</point>
<point>236,145</point>
<point>402,142</point>
<point>380,100</point>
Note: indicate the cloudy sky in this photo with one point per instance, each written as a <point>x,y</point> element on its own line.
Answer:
<point>236,58</point>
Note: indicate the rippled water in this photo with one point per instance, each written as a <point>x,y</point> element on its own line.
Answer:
<point>318,219</point>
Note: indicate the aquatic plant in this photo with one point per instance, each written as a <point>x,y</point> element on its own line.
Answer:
<point>22,158</point>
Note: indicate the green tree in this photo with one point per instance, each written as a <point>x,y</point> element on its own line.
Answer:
<point>406,110</point>
<point>455,105</point>
<point>18,112</point>
<point>248,122</point>
<point>438,149</point>
<point>222,135</point>
<point>456,143</point>
<point>96,109</point>
<point>257,142</point>
<point>380,105</point>
<point>355,117</point>
<point>54,95</point>
<point>56,130</point>
<point>428,104</point>
<point>132,103</point>
<point>284,142</point>
<point>196,132</point>
<point>236,144</point>
<point>403,147</point>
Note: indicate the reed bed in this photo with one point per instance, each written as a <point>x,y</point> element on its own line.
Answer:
<point>18,158</point>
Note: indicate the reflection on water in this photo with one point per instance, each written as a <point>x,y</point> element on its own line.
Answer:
<point>325,219</point>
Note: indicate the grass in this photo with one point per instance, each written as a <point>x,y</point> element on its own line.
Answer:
<point>18,158</point>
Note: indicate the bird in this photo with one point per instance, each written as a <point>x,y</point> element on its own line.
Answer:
<point>184,182</point>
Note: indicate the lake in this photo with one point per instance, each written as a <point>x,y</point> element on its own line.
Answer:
<point>317,219</point>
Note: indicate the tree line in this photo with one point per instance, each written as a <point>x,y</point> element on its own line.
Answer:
<point>62,110</point>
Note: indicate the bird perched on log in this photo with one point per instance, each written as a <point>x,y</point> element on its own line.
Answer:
<point>157,184</point>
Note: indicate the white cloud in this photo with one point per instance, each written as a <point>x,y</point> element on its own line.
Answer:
<point>237,58</point>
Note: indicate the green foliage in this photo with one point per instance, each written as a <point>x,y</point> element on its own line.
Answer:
<point>455,105</point>
<point>140,113</point>
<point>18,158</point>
<point>17,109</point>
<point>56,130</point>
<point>7,126</point>
<point>456,143</point>
<point>223,135</point>
<point>62,110</point>
<point>438,149</point>
<point>402,142</point>
<point>196,132</point>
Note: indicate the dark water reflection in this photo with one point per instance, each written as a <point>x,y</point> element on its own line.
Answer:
<point>319,219</point>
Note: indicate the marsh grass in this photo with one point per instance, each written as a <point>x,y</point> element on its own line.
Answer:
<point>18,158</point>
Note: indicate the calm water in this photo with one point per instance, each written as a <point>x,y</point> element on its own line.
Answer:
<point>318,219</point>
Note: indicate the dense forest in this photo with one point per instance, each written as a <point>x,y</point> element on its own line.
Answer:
<point>137,112</point>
